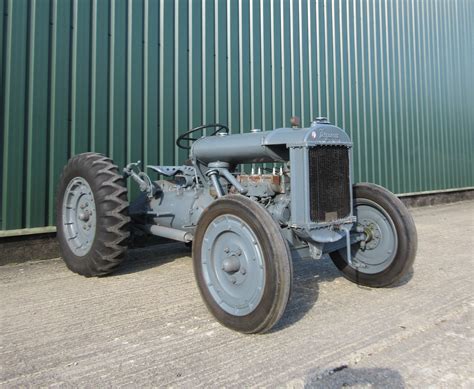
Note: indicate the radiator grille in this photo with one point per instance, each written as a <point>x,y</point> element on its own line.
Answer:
<point>329,183</point>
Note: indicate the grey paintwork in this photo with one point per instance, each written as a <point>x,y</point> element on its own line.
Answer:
<point>179,204</point>
<point>79,216</point>
<point>178,207</point>
<point>267,146</point>
<point>233,266</point>
<point>379,252</point>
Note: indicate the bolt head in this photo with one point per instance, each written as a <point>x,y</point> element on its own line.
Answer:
<point>233,279</point>
<point>84,216</point>
<point>243,271</point>
<point>226,250</point>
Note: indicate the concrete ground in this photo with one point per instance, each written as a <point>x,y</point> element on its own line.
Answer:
<point>146,325</point>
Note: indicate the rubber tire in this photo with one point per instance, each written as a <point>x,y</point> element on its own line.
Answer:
<point>406,233</point>
<point>112,220</point>
<point>277,257</point>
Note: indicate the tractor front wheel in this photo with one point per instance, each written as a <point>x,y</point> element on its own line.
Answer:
<point>390,249</point>
<point>242,264</point>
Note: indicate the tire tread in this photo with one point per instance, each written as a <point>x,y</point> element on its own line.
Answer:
<point>112,226</point>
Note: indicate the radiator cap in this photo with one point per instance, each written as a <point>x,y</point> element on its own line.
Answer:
<point>322,120</point>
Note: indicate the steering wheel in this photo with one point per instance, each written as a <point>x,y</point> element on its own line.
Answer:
<point>186,136</point>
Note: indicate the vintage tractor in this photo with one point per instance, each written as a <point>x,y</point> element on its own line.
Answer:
<point>243,227</point>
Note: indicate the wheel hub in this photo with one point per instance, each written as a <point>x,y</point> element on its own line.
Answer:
<point>373,234</point>
<point>79,216</point>
<point>84,216</point>
<point>377,251</point>
<point>233,265</point>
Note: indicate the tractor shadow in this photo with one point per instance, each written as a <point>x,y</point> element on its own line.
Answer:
<point>307,275</point>
<point>404,280</point>
<point>147,257</point>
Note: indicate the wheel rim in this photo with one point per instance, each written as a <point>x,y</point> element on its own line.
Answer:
<point>79,216</point>
<point>381,247</point>
<point>233,265</point>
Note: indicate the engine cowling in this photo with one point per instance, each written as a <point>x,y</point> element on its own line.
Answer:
<point>266,146</point>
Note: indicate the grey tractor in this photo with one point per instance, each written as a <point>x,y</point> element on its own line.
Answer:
<point>245,203</point>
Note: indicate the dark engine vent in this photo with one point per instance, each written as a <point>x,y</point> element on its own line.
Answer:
<point>329,183</point>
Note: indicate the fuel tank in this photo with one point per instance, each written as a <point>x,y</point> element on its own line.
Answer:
<point>266,146</point>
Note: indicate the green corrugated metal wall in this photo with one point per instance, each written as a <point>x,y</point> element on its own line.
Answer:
<point>125,77</point>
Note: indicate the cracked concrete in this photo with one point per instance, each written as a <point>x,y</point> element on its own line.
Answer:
<point>146,324</point>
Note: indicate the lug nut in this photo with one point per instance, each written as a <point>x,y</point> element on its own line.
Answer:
<point>243,271</point>
<point>233,279</point>
<point>226,250</point>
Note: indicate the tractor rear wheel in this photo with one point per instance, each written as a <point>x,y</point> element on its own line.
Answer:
<point>242,264</point>
<point>92,215</point>
<point>389,252</point>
